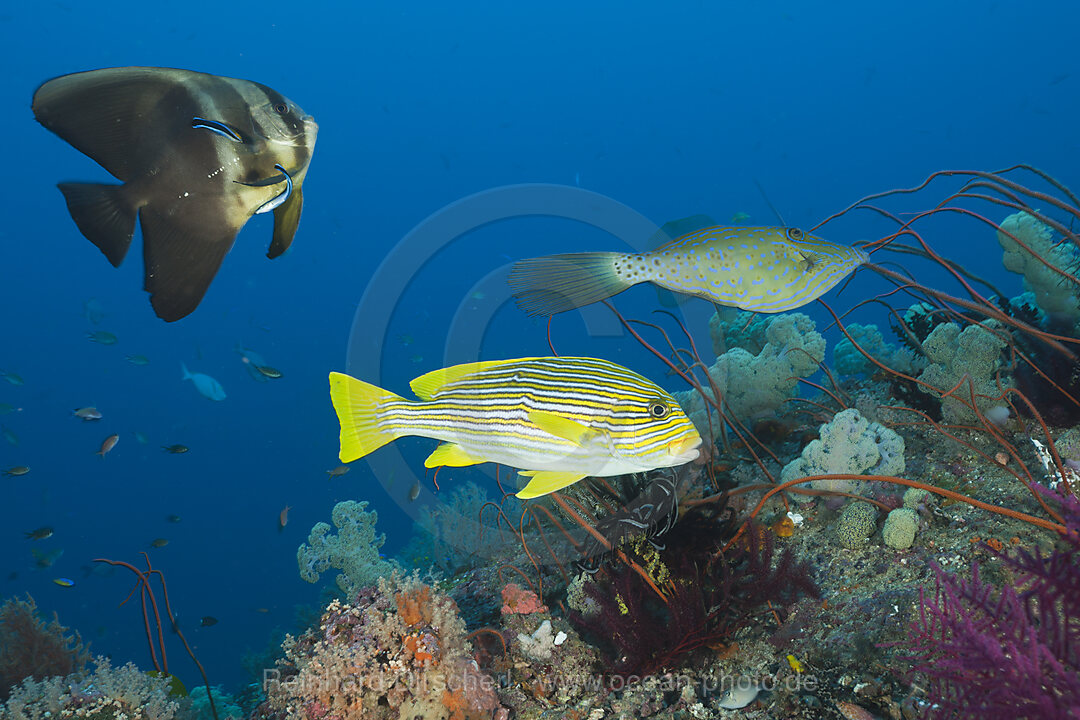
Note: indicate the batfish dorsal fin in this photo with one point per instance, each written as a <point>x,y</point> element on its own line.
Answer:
<point>286,220</point>
<point>181,260</point>
<point>114,115</point>
<point>430,383</point>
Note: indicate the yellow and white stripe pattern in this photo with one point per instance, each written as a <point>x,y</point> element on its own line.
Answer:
<point>557,419</point>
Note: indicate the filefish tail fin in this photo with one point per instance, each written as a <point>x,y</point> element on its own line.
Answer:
<point>185,374</point>
<point>103,215</point>
<point>357,405</point>
<point>557,283</point>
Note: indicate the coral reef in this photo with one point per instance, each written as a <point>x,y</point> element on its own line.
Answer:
<point>398,650</point>
<point>33,648</point>
<point>900,527</point>
<point>966,362</point>
<point>1011,651</point>
<point>1053,294</point>
<point>707,595</point>
<point>354,549</point>
<point>754,386</point>
<point>857,523</point>
<point>106,693</point>
<point>849,444</point>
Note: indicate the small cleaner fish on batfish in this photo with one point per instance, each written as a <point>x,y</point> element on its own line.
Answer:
<point>558,419</point>
<point>198,154</point>
<point>761,269</point>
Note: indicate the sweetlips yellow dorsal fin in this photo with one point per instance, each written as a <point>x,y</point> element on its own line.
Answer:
<point>452,455</point>
<point>547,481</point>
<point>562,427</point>
<point>430,383</point>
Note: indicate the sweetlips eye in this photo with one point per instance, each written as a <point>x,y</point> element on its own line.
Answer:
<point>281,108</point>
<point>795,234</point>
<point>659,410</point>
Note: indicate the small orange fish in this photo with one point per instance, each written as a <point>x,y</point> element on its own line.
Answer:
<point>108,444</point>
<point>283,517</point>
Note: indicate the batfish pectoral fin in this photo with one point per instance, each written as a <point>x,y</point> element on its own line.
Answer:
<point>450,454</point>
<point>286,220</point>
<point>182,252</point>
<point>564,428</point>
<point>104,216</point>
<point>544,482</point>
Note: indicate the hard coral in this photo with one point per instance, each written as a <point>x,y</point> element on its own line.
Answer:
<point>33,648</point>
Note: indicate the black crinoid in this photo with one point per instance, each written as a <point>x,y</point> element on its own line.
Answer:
<point>652,605</point>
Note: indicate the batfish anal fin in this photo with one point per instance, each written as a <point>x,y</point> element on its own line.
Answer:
<point>182,252</point>
<point>452,455</point>
<point>120,117</point>
<point>564,428</point>
<point>104,216</point>
<point>544,482</point>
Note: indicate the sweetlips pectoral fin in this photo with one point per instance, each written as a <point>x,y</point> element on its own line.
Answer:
<point>104,216</point>
<point>181,259</point>
<point>286,220</point>
<point>547,481</point>
<point>564,428</point>
<point>450,454</point>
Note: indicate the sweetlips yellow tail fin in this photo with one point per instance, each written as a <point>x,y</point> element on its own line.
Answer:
<point>357,404</point>
<point>547,481</point>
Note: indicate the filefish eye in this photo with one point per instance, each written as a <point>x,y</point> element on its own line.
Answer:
<point>795,234</point>
<point>659,410</point>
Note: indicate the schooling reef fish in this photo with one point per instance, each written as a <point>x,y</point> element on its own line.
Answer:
<point>559,419</point>
<point>762,269</point>
<point>198,154</point>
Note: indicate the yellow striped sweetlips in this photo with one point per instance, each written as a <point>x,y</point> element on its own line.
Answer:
<point>557,419</point>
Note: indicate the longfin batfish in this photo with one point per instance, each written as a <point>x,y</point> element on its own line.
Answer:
<point>761,269</point>
<point>198,154</point>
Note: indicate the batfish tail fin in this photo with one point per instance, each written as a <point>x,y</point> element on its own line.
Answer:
<point>557,283</point>
<point>358,406</point>
<point>104,216</point>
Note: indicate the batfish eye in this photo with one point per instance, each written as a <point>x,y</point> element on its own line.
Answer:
<point>795,234</point>
<point>282,108</point>
<point>659,410</point>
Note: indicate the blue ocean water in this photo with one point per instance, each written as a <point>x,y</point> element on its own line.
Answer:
<point>670,110</point>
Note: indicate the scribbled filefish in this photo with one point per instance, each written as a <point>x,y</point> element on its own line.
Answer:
<point>761,269</point>
<point>198,154</point>
<point>558,419</point>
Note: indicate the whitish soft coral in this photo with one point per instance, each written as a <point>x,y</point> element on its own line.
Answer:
<point>757,385</point>
<point>976,353</point>
<point>847,360</point>
<point>354,549</point>
<point>849,445</point>
<point>1055,294</point>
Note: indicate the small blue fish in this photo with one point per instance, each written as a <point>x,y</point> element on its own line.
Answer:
<point>207,386</point>
<point>64,582</point>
